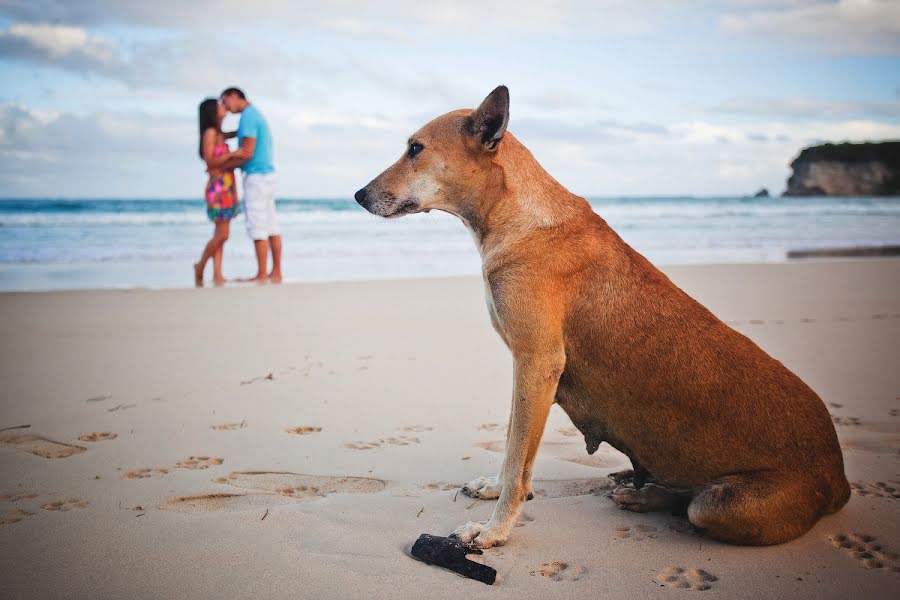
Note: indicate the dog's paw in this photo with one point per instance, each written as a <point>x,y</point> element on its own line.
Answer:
<point>486,488</point>
<point>622,477</point>
<point>479,534</point>
<point>649,498</point>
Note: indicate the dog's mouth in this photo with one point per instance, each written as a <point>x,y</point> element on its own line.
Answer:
<point>407,207</point>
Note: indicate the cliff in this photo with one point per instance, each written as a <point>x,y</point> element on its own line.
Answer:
<point>868,169</point>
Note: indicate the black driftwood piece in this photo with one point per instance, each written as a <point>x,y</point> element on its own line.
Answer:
<point>450,553</point>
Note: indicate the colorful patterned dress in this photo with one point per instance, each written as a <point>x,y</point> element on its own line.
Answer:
<point>221,192</point>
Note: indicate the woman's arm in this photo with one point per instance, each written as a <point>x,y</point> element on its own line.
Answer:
<point>209,146</point>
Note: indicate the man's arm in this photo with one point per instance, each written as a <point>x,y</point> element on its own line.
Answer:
<point>242,154</point>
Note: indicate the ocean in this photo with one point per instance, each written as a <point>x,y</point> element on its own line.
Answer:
<point>50,244</point>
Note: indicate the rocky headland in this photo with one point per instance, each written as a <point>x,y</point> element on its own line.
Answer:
<point>867,169</point>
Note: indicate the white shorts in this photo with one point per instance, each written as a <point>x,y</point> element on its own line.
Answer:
<point>259,205</point>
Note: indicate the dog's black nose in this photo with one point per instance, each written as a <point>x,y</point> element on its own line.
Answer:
<point>360,195</point>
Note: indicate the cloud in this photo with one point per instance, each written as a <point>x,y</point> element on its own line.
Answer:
<point>390,19</point>
<point>58,45</point>
<point>332,153</point>
<point>862,27</point>
<point>806,108</point>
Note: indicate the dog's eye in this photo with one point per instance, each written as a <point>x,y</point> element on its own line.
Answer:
<point>414,149</point>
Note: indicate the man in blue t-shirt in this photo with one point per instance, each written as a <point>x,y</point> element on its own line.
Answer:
<point>254,157</point>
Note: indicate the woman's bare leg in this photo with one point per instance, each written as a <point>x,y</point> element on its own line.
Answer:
<point>219,237</point>
<point>218,278</point>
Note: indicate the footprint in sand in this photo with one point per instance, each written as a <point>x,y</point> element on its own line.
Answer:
<point>605,457</point>
<point>224,502</point>
<point>229,426</point>
<point>400,440</point>
<point>894,412</point>
<point>568,431</point>
<point>303,430</point>
<point>866,549</point>
<point>440,486</point>
<point>16,497</point>
<point>64,505</point>
<point>559,571</point>
<point>845,421</point>
<point>878,489</point>
<point>101,436</point>
<point>14,516</point>
<point>145,473</point>
<point>268,488</point>
<point>198,462</point>
<point>40,446</point>
<point>638,533</point>
<point>690,579</point>
<point>416,428</point>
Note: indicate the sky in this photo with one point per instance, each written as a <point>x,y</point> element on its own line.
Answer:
<point>613,97</point>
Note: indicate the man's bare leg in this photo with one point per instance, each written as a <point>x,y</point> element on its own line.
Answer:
<point>262,259</point>
<point>275,244</point>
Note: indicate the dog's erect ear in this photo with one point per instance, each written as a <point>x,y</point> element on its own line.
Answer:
<point>488,122</point>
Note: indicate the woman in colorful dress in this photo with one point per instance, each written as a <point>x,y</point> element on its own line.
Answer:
<point>221,190</point>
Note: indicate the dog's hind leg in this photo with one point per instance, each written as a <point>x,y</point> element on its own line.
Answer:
<point>759,509</point>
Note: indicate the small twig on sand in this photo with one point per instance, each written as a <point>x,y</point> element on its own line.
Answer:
<point>456,494</point>
<point>473,504</point>
<point>420,512</point>
<point>16,427</point>
<point>265,515</point>
<point>267,376</point>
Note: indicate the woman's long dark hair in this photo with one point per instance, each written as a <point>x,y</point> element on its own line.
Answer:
<point>208,113</point>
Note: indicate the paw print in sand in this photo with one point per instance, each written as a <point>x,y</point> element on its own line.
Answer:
<point>866,549</point>
<point>638,533</point>
<point>559,571</point>
<point>400,440</point>
<point>878,489</point>
<point>64,505</point>
<point>198,462</point>
<point>491,426</point>
<point>145,473</point>
<point>689,579</point>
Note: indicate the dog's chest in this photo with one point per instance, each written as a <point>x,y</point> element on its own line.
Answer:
<point>494,314</point>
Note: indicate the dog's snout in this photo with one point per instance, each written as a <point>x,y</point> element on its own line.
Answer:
<point>360,195</point>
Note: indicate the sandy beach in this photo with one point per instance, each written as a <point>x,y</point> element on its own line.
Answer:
<point>293,441</point>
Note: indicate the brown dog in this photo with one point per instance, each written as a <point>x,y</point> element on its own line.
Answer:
<point>699,409</point>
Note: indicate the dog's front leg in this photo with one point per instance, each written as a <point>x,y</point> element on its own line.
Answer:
<point>536,378</point>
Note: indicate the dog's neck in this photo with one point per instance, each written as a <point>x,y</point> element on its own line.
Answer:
<point>519,198</point>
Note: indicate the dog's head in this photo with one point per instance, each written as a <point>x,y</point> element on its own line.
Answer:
<point>447,164</point>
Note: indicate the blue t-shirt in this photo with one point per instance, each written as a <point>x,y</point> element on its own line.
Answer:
<point>253,125</point>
